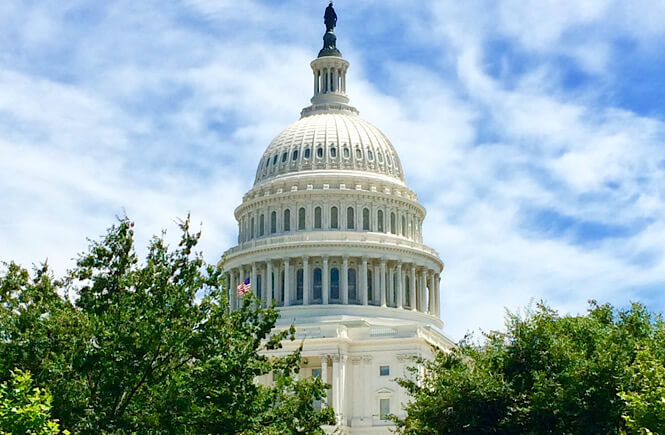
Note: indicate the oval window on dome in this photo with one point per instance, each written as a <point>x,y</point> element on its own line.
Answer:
<point>319,152</point>
<point>274,160</point>
<point>370,155</point>
<point>284,157</point>
<point>307,152</point>
<point>347,153</point>
<point>295,155</point>
<point>267,161</point>
<point>359,154</point>
<point>380,157</point>
<point>333,152</point>
<point>388,159</point>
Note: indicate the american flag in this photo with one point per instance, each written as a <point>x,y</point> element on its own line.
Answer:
<point>244,287</point>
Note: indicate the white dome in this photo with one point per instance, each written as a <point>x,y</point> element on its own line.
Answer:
<point>329,141</point>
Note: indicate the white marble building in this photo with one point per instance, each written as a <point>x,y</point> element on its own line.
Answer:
<point>332,233</point>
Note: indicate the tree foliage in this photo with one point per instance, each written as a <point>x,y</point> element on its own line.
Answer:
<point>151,347</point>
<point>24,409</point>
<point>599,373</point>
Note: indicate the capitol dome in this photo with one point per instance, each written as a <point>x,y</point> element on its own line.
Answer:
<point>331,234</point>
<point>322,141</point>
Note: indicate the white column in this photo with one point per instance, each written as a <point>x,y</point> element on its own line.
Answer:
<point>233,291</point>
<point>412,292</point>
<point>278,281</point>
<point>342,387</point>
<point>344,279</point>
<point>325,281</point>
<point>431,304</point>
<point>363,281</point>
<point>336,387</point>
<point>269,285</point>
<point>324,378</point>
<point>391,287</point>
<point>400,286</point>
<point>356,391</point>
<point>437,292</point>
<point>305,281</point>
<point>423,288</point>
<point>376,283</point>
<point>252,280</point>
<point>382,282</point>
<point>367,400</point>
<point>287,284</point>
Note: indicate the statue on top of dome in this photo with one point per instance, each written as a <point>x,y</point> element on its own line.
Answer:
<point>330,18</point>
<point>329,38</point>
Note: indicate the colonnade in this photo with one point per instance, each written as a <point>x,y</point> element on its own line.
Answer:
<point>342,280</point>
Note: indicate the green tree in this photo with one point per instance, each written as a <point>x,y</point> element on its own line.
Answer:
<point>24,409</point>
<point>599,373</point>
<point>151,347</point>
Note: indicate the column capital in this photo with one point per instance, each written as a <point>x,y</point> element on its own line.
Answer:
<point>367,358</point>
<point>355,360</point>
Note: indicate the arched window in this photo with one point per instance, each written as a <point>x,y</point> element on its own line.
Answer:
<point>283,292</point>
<point>347,153</point>
<point>307,151</point>
<point>301,218</point>
<point>295,155</point>
<point>370,155</point>
<point>333,218</point>
<point>251,229</point>
<point>267,161</point>
<point>370,292</point>
<point>350,224</point>
<point>379,217</point>
<point>284,156</point>
<point>403,227</point>
<point>262,226</point>
<point>299,285</point>
<point>365,219</point>
<point>333,152</point>
<point>407,291</point>
<point>359,154</point>
<point>392,223</point>
<point>274,160</point>
<point>317,218</point>
<point>259,287</point>
<point>353,291</point>
<point>334,283</point>
<point>319,152</point>
<point>316,293</point>
<point>287,220</point>
<point>273,222</point>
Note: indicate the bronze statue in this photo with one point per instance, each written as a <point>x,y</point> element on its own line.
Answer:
<point>330,18</point>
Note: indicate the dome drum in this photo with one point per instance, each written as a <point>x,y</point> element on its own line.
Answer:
<point>405,283</point>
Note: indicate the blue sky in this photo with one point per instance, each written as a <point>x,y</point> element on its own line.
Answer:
<point>532,131</point>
